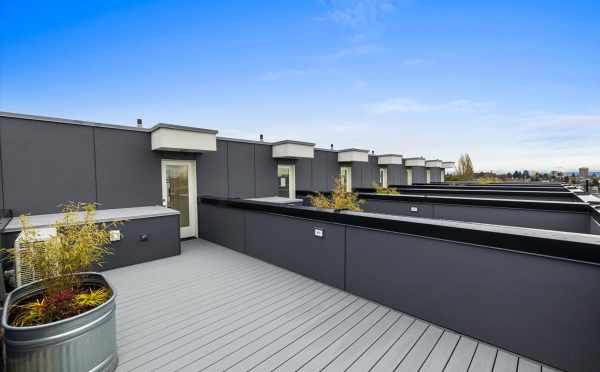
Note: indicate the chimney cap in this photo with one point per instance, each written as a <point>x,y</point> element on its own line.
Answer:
<point>139,123</point>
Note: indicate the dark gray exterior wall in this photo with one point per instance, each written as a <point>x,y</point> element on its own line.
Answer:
<point>398,208</point>
<point>507,299</point>
<point>304,180</point>
<point>396,174</point>
<point>211,172</point>
<point>162,241</point>
<point>290,242</point>
<point>127,170</point>
<point>324,169</point>
<point>532,218</point>
<point>265,171</point>
<point>240,170</point>
<point>418,175</point>
<point>45,165</point>
<point>436,174</point>
<point>223,226</point>
<point>370,172</point>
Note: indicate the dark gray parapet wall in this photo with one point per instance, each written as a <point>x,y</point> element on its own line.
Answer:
<point>561,216</point>
<point>507,286</point>
<point>486,193</point>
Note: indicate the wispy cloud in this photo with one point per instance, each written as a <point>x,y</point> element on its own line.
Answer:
<point>358,13</point>
<point>279,74</point>
<point>352,52</point>
<point>550,120</point>
<point>418,62</point>
<point>407,105</point>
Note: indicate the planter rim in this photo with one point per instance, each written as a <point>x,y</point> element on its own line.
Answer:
<point>6,311</point>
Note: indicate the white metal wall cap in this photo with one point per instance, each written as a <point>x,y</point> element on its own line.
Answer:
<point>414,162</point>
<point>448,164</point>
<point>434,164</point>
<point>169,137</point>
<point>389,159</point>
<point>293,150</point>
<point>352,155</point>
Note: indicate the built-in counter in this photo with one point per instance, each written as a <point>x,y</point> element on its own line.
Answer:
<point>147,233</point>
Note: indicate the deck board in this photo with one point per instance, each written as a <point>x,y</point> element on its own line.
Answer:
<point>214,309</point>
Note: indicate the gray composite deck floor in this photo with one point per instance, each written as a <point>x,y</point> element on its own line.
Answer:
<point>216,309</point>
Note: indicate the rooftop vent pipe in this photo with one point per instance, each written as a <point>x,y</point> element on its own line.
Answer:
<point>139,123</point>
<point>332,146</point>
<point>261,138</point>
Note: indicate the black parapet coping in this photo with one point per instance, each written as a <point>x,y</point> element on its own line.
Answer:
<point>438,186</point>
<point>481,191</point>
<point>463,200</point>
<point>562,245</point>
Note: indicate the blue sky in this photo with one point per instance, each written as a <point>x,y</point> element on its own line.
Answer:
<point>515,84</point>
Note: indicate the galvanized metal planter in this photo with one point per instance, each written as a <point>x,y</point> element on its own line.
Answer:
<point>86,342</point>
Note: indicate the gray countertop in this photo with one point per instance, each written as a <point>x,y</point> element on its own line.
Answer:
<point>102,215</point>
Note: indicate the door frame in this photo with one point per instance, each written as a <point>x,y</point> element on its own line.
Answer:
<point>383,177</point>
<point>191,230</point>
<point>348,178</point>
<point>292,178</point>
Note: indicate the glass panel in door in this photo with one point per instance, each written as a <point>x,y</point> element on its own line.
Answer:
<point>283,176</point>
<point>346,178</point>
<point>178,196</point>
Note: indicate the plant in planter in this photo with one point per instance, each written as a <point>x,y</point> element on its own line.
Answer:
<point>379,189</point>
<point>67,308</point>
<point>340,199</point>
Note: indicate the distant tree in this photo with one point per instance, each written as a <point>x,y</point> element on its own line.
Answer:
<point>464,167</point>
<point>509,175</point>
<point>517,174</point>
<point>525,173</point>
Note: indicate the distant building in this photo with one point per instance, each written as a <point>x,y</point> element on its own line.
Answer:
<point>584,172</point>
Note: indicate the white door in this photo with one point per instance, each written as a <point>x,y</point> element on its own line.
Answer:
<point>428,175</point>
<point>346,178</point>
<point>409,176</point>
<point>383,177</point>
<point>442,177</point>
<point>286,174</point>
<point>179,192</point>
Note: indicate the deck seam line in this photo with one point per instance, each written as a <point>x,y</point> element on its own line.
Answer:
<point>302,335</point>
<point>359,337</point>
<point>189,333</point>
<point>377,339</point>
<point>264,334</point>
<point>393,343</point>
<point>229,332</point>
<point>318,338</point>
<point>284,334</point>
<point>340,336</point>
<point>261,289</point>
<point>412,347</point>
<point>431,351</point>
